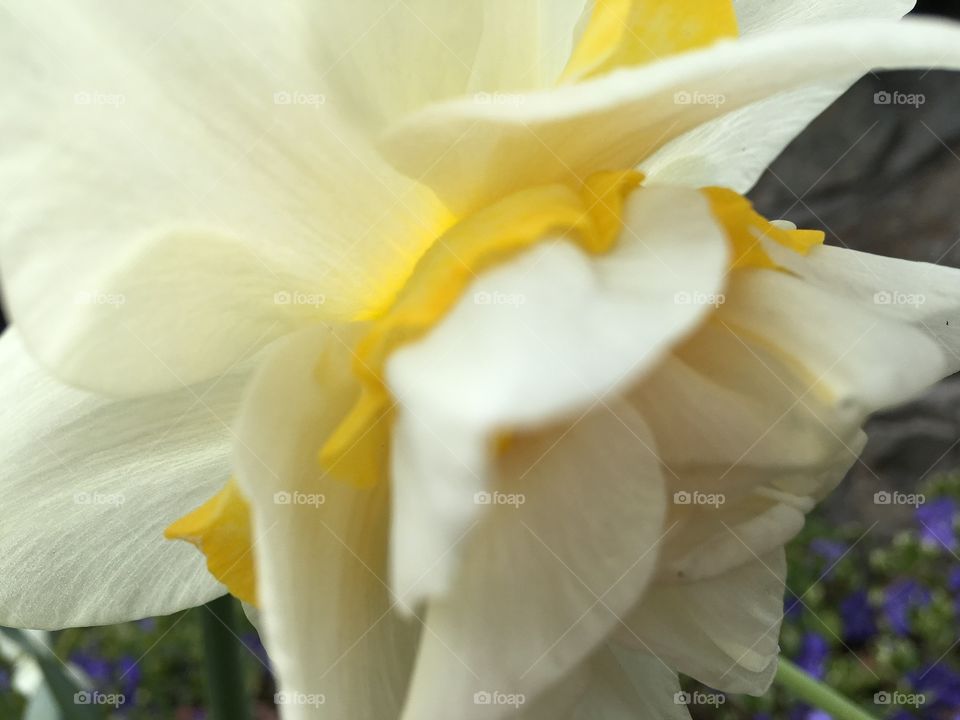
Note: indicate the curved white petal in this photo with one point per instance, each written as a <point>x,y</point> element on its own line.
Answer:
<point>339,649</point>
<point>849,354</point>
<point>89,486</point>
<point>566,545</point>
<point>735,149</point>
<point>170,170</point>
<point>541,338</point>
<point>620,119</point>
<point>924,295</point>
<point>757,16</point>
<point>722,631</point>
<point>626,684</point>
<point>382,60</point>
<point>729,415</point>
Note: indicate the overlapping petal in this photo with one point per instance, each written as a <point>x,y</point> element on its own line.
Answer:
<point>622,118</point>
<point>175,202</point>
<point>89,486</point>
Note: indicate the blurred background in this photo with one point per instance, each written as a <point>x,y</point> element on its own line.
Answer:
<point>873,606</point>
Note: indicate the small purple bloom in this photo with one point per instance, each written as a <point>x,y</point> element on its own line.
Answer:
<point>859,623</point>
<point>953,579</point>
<point>936,523</point>
<point>830,550</point>
<point>814,651</point>
<point>95,668</point>
<point>939,684</point>
<point>900,600</point>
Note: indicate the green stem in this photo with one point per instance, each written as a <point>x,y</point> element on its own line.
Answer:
<point>811,690</point>
<point>228,699</point>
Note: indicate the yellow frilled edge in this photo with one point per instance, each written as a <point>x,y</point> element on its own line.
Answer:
<point>221,530</point>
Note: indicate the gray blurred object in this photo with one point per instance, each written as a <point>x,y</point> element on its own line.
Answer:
<point>884,178</point>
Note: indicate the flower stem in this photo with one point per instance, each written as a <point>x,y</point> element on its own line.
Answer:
<point>811,690</point>
<point>228,699</point>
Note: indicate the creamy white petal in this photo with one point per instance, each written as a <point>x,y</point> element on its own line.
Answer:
<point>735,149</point>
<point>89,486</point>
<point>850,355</point>
<point>722,631</point>
<point>729,415</point>
<point>526,44</point>
<point>540,338</point>
<point>319,543</point>
<point>923,294</point>
<point>620,119</point>
<point>543,579</point>
<point>627,684</point>
<point>757,16</point>
<point>172,168</point>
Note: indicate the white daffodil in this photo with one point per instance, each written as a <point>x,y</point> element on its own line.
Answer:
<point>520,397</point>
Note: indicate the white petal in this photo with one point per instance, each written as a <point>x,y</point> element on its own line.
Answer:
<point>757,16</point>
<point>729,414</point>
<point>320,543</point>
<point>90,485</point>
<point>619,119</point>
<point>538,339</point>
<point>850,355</point>
<point>526,44</point>
<point>543,581</point>
<point>625,685</point>
<point>922,294</point>
<point>170,170</point>
<point>721,631</point>
<point>735,149</point>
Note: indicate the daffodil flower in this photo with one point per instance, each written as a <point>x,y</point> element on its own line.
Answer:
<point>443,331</point>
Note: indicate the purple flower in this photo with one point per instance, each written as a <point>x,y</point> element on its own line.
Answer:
<point>900,600</point>
<point>859,623</point>
<point>129,675</point>
<point>940,685</point>
<point>936,523</point>
<point>953,579</point>
<point>814,651</point>
<point>830,550</point>
<point>95,668</point>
